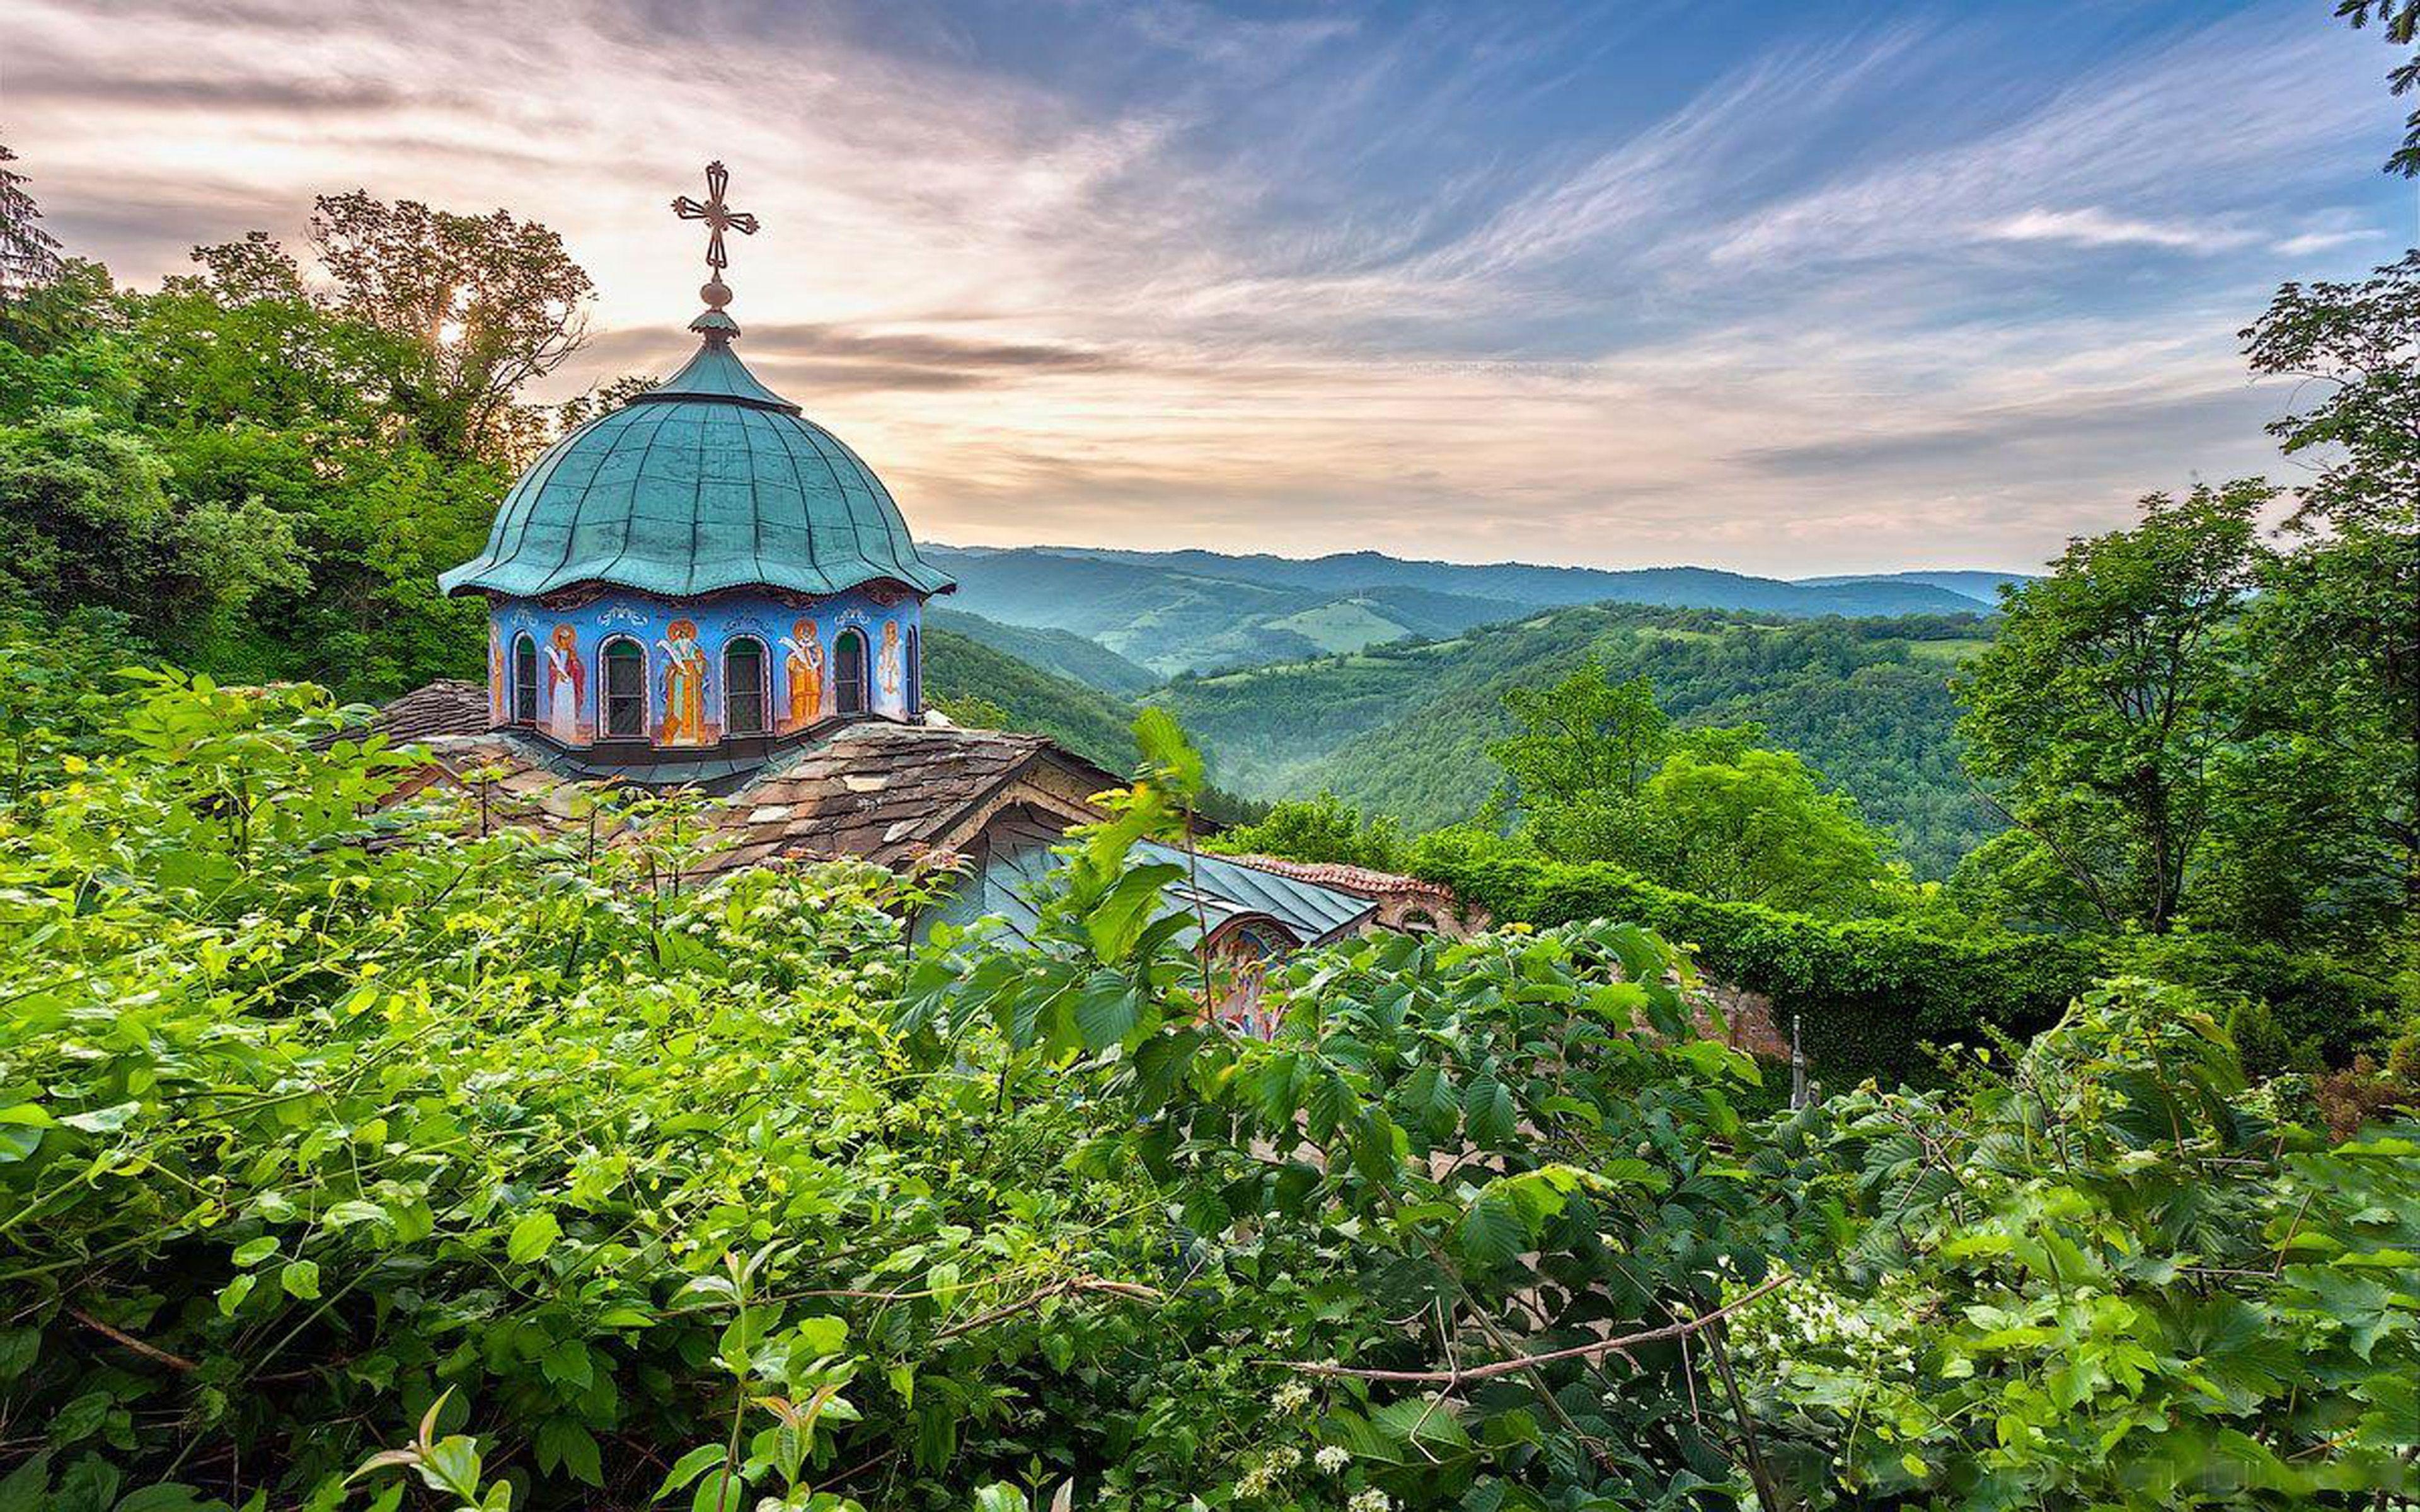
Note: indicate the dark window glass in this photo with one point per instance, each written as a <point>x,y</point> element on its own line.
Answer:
<point>743,689</point>
<point>848,673</point>
<point>915,672</point>
<point>525,681</point>
<point>626,690</point>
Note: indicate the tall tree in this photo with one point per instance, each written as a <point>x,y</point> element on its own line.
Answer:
<point>487,301</point>
<point>1585,735</point>
<point>1601,775</point>
<point>2093,719</point>
<point>2399,22</point>
<point>29,256</point>
<point>86,521</point>
<point>1747,825</point>
<point>2338,620</point>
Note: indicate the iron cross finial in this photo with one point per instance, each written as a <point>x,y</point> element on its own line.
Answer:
<point>718,216</point>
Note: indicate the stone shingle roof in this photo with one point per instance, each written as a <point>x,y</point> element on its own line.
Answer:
<point>871,790</point>
<point>895,794</point>
<point>448,707</point>
<point>883,792</point>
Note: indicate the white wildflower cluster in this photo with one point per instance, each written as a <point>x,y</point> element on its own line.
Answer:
<point>1369,1499</point>
<point>1803,1323</point>
<point>1268,1472</point>
<point>1333,1458</point>
<point>820,928</point>
<point>1292,1398</point>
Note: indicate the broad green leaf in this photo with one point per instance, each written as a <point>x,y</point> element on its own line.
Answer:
<point>231,1296</point>
<point>822,1335</point>
<point>103,1120</point>
<point>567,1364</point>
<point>24,1488</point>
<point>533,1235</point>
<point>1491,1232</point>
<point>688,1468</point>
<point>1107,1011</point>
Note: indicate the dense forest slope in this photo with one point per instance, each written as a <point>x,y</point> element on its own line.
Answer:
<point>1087,722</point>
<point>1177,612</point>
<point>1403,730</point>
<point>1059,653</point>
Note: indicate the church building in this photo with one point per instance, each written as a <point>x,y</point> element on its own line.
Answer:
<point>703,589</point>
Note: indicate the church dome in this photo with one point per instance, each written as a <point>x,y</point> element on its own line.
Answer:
<point>709,481</point>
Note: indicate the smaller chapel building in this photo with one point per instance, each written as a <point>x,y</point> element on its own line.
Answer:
<point>706,589</point>
<point>704,570</point>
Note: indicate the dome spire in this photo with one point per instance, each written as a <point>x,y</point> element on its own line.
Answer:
<point>719,217</point>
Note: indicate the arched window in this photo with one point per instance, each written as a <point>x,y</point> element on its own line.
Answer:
<point>915,672</point>
<point>524,681</point>
<point>743,686</point>
<point>625,689</point>
<point>848,673</point>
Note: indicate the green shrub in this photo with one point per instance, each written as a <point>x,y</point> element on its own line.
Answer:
<point>316,1117</point>
<point>1869,994</point>
<point>1872,994</point>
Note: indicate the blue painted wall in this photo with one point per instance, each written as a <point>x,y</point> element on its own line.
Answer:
<point>684,670</point>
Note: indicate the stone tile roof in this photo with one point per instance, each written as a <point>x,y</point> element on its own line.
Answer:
<point>886,792</point>
<point>448,707</point>
<point>892,793</point>
<point>872,790</point>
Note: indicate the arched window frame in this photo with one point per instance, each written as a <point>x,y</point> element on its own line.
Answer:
<point>606,695</point>
<point>524,681</point>
<point>852,694</point>
<point>764,722</point>
<point>915,649</point>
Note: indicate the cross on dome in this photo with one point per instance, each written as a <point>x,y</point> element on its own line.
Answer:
<point>719,217</point>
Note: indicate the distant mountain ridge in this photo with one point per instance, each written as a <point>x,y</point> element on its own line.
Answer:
<point>1200,611</point>
<point>1982,587</point>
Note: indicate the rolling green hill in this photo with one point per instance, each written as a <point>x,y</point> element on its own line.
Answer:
<point>1982,587</point>
<point>1092,724</point>
<point>1404,729</point>
<point>1061,653</point>
<point>1179,611</point>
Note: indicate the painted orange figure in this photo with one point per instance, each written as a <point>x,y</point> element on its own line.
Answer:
<point>804,658</point>
<point>565,684</point>
<point>684,685</point>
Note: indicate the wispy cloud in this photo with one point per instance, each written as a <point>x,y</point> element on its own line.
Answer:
<point>2093,226</point>
<point>1604,283</point>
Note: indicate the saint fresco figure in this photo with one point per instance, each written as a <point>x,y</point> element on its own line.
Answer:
<point>803,659</point>
<point>497,691</point>
<point>565,684</point>
<point>684,685</point>
<point>886,665</point>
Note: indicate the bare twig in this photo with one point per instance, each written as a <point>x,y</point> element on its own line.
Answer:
<point>1056,1288</point>
<point>1528,1362</point>
<point>149,1352</point>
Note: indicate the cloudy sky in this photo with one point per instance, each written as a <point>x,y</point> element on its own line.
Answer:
<point>1790,289</point>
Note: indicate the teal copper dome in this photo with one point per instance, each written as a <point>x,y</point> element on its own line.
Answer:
<point>708,481</point>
